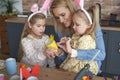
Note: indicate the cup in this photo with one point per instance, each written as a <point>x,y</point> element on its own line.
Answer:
<point>32,78</point>
<point>11,66</point>
<point>2,77</point>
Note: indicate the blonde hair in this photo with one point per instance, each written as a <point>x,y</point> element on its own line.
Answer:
<point>27,30</point>
<point>94,13</point>
<point>62,3</point>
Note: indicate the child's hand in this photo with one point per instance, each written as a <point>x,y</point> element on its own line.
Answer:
<point>63,40</point>
<point>68,46</point>
<point>50,52</point>
<point>62,43</point>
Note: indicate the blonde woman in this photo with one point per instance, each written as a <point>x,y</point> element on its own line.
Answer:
<point>62,11</point>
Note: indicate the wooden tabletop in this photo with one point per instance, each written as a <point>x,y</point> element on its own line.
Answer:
<point>51,74</point>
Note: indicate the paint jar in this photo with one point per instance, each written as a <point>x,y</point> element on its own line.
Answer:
<point>2,77</point>
<point>11,66</point>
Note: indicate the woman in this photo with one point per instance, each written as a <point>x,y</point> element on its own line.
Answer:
<point>62,11</point>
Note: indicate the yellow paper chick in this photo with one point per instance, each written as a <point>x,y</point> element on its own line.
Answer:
<point>51,43</point>
<point>51,37</point>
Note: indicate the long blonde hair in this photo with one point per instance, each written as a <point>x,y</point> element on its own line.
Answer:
<point>27,31</point>
<point>62,3</point>
<point>94,13</point>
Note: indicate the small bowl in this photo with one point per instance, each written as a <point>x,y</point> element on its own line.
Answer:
<point>15,77</point>
<point>32,78</point>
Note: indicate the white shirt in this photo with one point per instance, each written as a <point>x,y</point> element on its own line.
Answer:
<point>33,51</point>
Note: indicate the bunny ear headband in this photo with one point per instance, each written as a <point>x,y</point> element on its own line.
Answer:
<point>35,8</point>
<point>80,3</point>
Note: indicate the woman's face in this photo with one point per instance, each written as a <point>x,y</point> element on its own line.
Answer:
<point>63,15</point>
<point>37,29</point>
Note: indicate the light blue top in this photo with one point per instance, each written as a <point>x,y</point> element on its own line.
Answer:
<point>89,54</point>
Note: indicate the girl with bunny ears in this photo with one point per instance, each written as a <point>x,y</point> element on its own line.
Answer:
<point>62,11</point>
<point>33,40</point>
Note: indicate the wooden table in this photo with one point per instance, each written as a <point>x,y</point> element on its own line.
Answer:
<point>52,74</point>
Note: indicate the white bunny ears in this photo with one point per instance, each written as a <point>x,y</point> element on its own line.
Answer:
<point>80,4</point>
<point>35,9</point>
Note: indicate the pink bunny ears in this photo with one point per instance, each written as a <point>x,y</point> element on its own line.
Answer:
<point>35,9</point>
<point>80,4</point>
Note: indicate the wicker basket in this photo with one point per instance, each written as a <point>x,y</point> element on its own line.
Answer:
<point>2,64</point>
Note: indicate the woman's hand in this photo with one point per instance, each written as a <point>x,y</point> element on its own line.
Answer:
<point>65,44</point>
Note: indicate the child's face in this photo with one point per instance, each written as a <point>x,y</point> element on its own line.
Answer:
<point>37,29</point>
<point>80,26</point>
